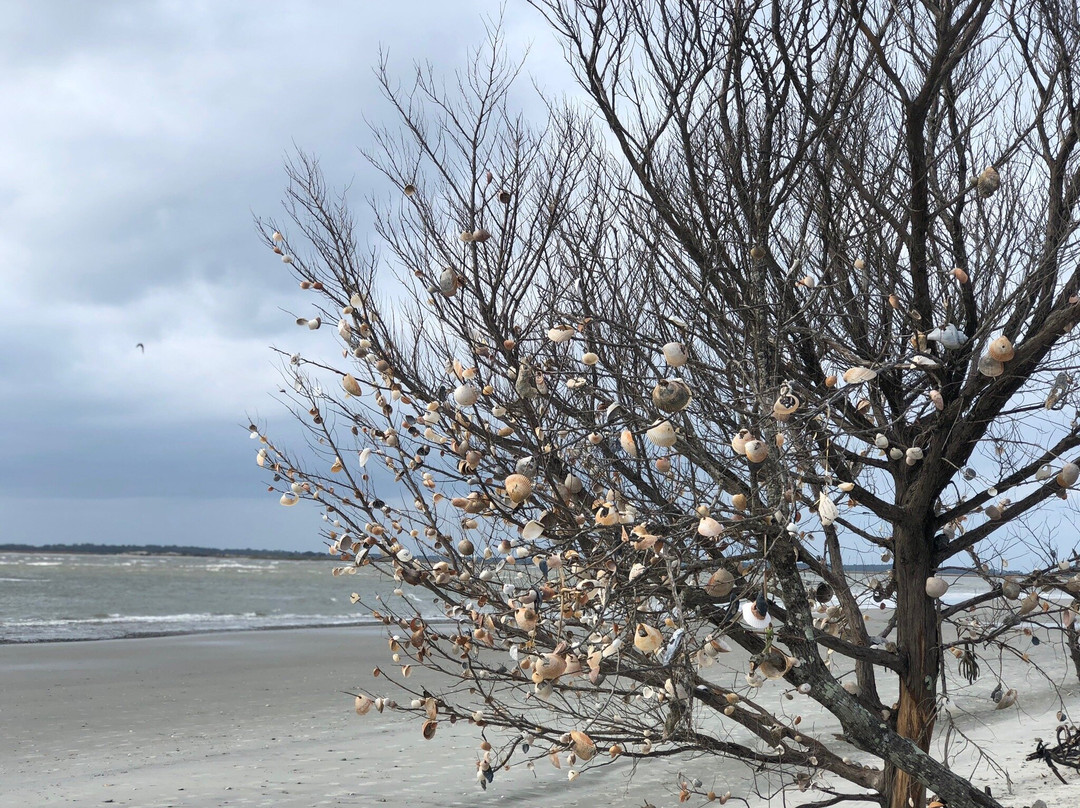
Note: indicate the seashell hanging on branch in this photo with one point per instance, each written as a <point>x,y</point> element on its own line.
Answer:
<point>988,182</point>
<point>786,403</point>
<point>671,395</point>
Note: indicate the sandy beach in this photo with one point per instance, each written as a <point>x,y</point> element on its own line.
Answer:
<point>256,719</point>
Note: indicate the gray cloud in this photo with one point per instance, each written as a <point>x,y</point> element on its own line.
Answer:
<point>141,137</point>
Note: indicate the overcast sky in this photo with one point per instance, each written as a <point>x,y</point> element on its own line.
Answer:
<point>139,139</point>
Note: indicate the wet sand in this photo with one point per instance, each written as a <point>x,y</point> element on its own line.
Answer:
<point>256,719</point>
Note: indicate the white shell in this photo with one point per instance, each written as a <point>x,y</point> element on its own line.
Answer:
<point>936,587</point>
<point>753,620</point>
<point>626,441</point>
<point>561,333</point>
<point>949,336</point>
<point>590,359</point>
<point>662,434</point>
<point>466,395</point>
<point>1044,473</point>
<point>709,527</point>
<point>827,510</point>
<point>881,441</point>
<point>532,530</point>
<point>756,451</point>
<point>675,354</point>
<point>858,375</point>
<point>289,499</point>
<point>1069,474</point>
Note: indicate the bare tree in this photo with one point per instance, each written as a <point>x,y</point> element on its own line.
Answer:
<point>801,293</point>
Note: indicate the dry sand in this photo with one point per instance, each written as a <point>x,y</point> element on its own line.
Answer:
<point>256,719</point>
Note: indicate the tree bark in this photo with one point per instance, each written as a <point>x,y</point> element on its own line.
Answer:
<point>917,641</point>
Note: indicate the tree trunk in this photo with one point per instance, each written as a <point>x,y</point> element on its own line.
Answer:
<point>917,638</point>
<point>1072,642</point>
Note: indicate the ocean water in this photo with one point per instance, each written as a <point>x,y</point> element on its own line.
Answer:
<point>89,597</point>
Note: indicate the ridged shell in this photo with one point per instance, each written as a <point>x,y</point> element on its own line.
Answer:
<point>662,434</point>
<point>518,488</point>
<point>858,375</point>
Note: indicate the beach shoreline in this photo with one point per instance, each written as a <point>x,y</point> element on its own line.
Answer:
<point>258,718</point>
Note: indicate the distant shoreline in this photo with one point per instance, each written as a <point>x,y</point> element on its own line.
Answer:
<point>160,550</point>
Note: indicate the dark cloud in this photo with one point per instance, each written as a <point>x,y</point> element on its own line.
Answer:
<point>141,138</point>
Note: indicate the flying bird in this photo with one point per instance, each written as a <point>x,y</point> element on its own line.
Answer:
<point>140,346</point>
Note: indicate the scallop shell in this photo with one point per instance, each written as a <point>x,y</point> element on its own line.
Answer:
<point>518,488</point>
<point>1001,349</point>
<point>675,354</point>
<point>988,366</point>
<point>671,395</point>
<point>662,434</point>
<point>858,375</point>
<point>526,618</point>
<point>936,587</point>
<point>647,639</point>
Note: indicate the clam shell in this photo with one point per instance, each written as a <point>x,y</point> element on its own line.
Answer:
<point>662,434</point>
<point>675,354</point>
<point>626,441</point>
<point>561,333</point>
<point>858,375</point>
<point>466,395</point>
<point>518,488</point>
<point>720,583</point>
<point>1068,475</point>
<point>936,587</point>
<point>351,385</point>
<point>988,366</point>
<point>756,451</point>
<point>582,745</point>
<point>709,527</point>
<point>671,395</point>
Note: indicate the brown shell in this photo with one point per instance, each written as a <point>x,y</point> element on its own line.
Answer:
<point>671,395</point>
<point>518,488</point>
<point>429,729</point>
<point>1001,349</point>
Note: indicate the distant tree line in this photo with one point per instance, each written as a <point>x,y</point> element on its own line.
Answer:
<point>87,548</point>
